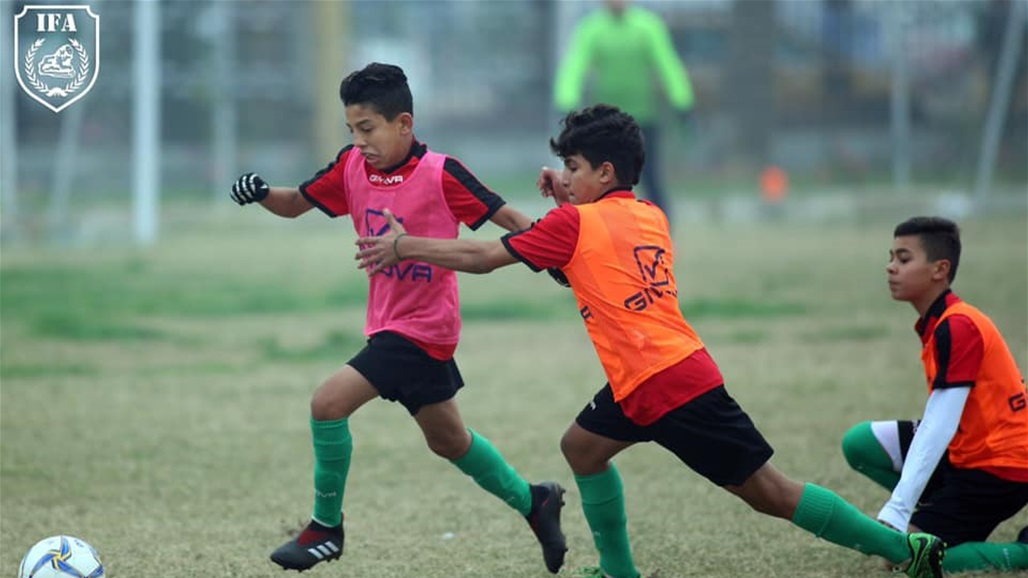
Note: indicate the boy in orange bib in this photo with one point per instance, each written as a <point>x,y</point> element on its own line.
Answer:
<point>963,468</point>
<point>663,386</point>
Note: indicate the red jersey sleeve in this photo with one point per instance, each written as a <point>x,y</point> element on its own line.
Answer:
<point>550,242</point>
<point>959,350</point>
<point>326,190</point>
<point>470,201</point>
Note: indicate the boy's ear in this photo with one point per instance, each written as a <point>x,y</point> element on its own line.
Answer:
<point>406,122</point>
<point>607,172</point>
<point>940,270</point>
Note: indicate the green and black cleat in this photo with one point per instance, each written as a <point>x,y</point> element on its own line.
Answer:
<point>926,554</point>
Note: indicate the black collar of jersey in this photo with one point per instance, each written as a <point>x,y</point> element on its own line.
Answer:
<point>926,324</point>
<point>417,149</point>
<point>616,190</point>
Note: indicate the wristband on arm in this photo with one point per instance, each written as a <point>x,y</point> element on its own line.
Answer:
<point>396,249</point>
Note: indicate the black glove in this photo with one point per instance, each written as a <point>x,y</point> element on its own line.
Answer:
<point>250,188</point>
<point>558,276</point>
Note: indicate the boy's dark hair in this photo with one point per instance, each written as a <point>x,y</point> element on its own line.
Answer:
<point>380,86</point>
<point>940,238</point>
<point>602,133</point>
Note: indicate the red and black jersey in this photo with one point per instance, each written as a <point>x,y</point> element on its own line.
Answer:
<point>471,202</point>
<point>963,348</point>
<point>958,344</point>
<point>445,191</point>
<point>618,257</point>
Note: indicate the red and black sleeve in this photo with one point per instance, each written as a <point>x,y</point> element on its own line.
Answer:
<point>549,243</point>
<point>471,202</point>
<point>959,351</point>
<point>326,190</point>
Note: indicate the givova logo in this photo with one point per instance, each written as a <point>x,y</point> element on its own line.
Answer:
<point>376,225</point>
<point>385,180</point>
<point>56,53</point>
<point>655,274</point>
<point>652,269</point>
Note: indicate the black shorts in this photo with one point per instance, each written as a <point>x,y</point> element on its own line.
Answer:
<point>961,505</point>
<point>711,434</point>
<point>401,371</point>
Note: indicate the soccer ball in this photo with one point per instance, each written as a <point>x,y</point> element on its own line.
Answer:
<point>61,557</point>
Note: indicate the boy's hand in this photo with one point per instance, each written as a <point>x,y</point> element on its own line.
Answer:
<point>377,253</point>
<point>250,188</point>
<point>551,185</point>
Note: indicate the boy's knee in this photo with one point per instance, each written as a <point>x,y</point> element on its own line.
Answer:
<point>322,407</point>
<point>450,445</point>
<point>579,456</point>
<point>855,443</point>
<point>333,400</point>
<point>567,446</point>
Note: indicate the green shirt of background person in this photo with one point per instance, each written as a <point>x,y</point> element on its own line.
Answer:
<point>624,54</point>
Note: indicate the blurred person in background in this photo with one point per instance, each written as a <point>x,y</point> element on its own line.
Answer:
<point>413,315</point>
<point>963,468</point>
<point>628,52</point>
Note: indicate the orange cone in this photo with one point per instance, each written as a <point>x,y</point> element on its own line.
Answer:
<point>774,184</point>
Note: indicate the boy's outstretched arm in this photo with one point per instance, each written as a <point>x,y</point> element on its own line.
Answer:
<point>468,255</point>
<point>549,184</point>
<point>511,219</point>
<point>286,202</point>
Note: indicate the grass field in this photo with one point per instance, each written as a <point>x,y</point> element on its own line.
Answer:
<point>155,402</point>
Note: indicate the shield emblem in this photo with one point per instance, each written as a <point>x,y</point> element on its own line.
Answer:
<point>375,222</point>
<point>56,53</point>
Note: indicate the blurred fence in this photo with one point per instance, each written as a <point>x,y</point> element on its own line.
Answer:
<point>252,86</point>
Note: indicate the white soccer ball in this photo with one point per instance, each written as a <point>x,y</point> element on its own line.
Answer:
<point>61,557</point>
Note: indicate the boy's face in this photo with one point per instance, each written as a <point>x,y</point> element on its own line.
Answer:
<point>384,143</point>
<point>584,183</point>
<point>911,275</point>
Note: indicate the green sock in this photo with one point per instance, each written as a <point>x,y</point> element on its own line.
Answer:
<point>986,556</point>
<point>866,455</point>
<point>826,515</point>
<point>603,501</point>
<point>487,467</point>
<point>332,449</point>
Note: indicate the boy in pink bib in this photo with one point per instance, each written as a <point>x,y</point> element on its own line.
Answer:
<point>413,319</point>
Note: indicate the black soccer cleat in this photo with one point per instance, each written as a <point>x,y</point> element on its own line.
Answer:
<point>315,544</point>
<point>547,500</point>
<point>1022,536</point>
